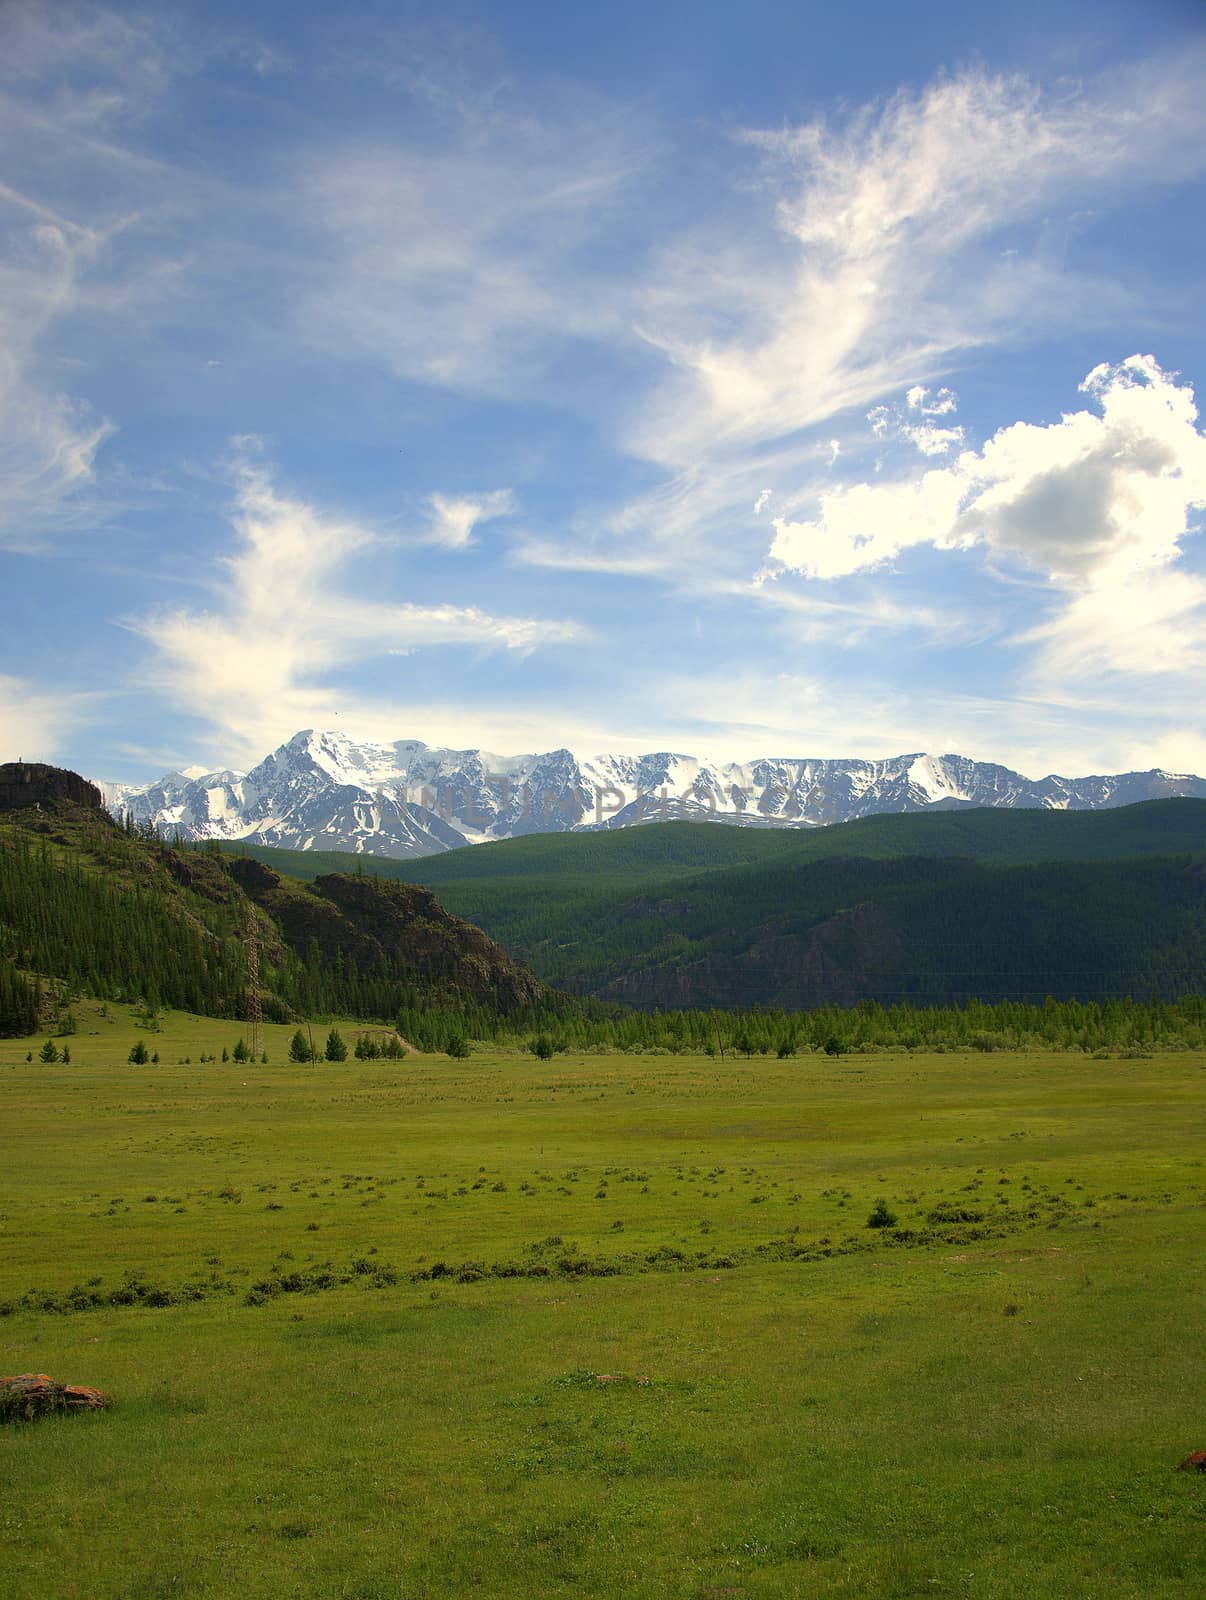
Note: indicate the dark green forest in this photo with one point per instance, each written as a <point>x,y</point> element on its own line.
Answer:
<point>935,908</point>
<point>88,907</point>
<point>676,937</point>
<point>802,934</point>
<point>663,849</point>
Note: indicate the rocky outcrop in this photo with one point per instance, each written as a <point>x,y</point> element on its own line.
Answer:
<point>24,784</point>
<point>385,929</point>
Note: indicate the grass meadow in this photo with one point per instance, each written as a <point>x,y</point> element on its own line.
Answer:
<point>601,1326</point>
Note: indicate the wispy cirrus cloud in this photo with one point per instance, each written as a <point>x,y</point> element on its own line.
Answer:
<point>74,79</point>
<point>454,517</point>
<point>260,663</point>
<point>37,722</point>
<point>751,713</point>
<point>465,264</point>
<point>48,439</point>
<point>866,261</point>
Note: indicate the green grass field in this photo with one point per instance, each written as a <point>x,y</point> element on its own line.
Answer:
<point>604,1325</point>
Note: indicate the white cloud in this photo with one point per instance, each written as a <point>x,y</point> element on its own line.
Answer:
<point>931,404</point>
<point>870,275</point>
<point>746,714</point>
<point>467,265</point>
<point>892,421</point>
<point>842,622</point>
<point>866,262</point>
<point>48,441</point>
<point>1089,502</point>
<point>454,517</point>
<point>74,242</point>
<point>931,441</point>
<point>259,665</point>
<point>1154,622</point>
<point>35,724</point>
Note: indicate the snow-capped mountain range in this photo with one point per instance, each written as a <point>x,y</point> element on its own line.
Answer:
<point>325,791</point>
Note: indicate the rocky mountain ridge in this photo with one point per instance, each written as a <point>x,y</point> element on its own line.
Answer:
<point>406,799</point>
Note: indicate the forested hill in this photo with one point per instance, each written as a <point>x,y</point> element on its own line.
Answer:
<point>659,849</point>
<point>91,907</point>
<point>934,909</point>
<point>680,915</point>
<point>839,932</point>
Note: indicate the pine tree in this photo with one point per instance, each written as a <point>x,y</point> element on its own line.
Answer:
<point>336,1049</point>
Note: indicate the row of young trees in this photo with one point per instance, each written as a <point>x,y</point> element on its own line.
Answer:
<point>1054,1024</point>
<point>1117,1025</point>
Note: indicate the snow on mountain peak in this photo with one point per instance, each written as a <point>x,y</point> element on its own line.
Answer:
<point>325,790</point>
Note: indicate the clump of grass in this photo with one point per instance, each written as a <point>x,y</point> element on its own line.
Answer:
<point>945,1211</point>
<point>882,1216</point>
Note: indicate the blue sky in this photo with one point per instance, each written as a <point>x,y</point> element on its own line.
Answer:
<point>781,379</point>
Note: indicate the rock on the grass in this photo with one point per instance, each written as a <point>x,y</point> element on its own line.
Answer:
<point>34,1394</point>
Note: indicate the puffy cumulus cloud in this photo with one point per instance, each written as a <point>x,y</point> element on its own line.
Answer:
<point>926,436</point>
<point>454,517</point>
<point>1095,497</point>
<point>912,422</point>
<point>880,418</point>
<point>937,403</point>
<point>931,441</point>
<point>258,665</point>
<point>1089,502</point>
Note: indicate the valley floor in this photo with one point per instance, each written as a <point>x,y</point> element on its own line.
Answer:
<point>601,1326</point>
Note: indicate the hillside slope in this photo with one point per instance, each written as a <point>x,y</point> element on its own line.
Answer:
<point>117,913</point>
<point>936,908</point>
<point>660,849</point>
